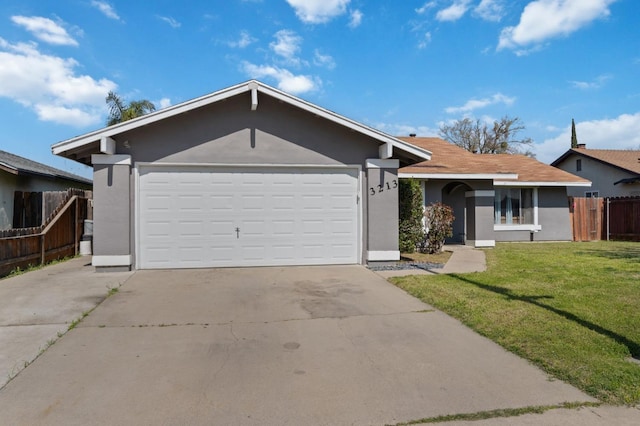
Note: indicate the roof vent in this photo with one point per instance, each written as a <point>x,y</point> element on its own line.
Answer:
<point>412,135</point>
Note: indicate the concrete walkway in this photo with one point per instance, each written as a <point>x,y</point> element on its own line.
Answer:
<point>463,260</point>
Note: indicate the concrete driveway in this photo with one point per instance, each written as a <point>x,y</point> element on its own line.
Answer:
<point>269,346</point>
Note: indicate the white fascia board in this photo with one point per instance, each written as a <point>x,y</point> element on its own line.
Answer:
<point>147,119</point>
<point>539,184</point>
<point>470,176</point>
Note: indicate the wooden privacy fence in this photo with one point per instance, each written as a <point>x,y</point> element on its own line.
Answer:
<point>594,219</point>
<point>624,218</point>
<point>59,237</point>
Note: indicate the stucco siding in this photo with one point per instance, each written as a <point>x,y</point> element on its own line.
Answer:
<point>602,177</point>
<point>111,213</point>
<point>229,133</point>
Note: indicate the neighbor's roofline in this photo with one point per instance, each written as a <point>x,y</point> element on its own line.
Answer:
<point>584,152</point>
<point>61,147</point>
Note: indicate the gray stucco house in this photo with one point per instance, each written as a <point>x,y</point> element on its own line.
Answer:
<point>495,197</point>
<point>614,173</point>
<point>21,174</point>
<point>246,176</point>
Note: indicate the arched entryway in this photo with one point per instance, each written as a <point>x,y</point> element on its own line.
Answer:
<point>453,195</point>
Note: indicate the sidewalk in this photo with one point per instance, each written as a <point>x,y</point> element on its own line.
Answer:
<point>463,260</point>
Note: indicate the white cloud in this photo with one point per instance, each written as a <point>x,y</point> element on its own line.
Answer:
<point>490,10</point>
<point>169,20</point>
<point>545,19</point>
<point>425,7</point>
<point>425,41</point>
<point>454,12</point>
<point>163,103</point>
<point>45,29</point>
<point>588,85</point>
<point>321,60</point>
<point>287,46</point>
<point>318,11</point>
<point>106,9</point>
<point>243,40</point>
<point>49,85</point>
<point>622,132</point>
<point>356,19</point>
<point>474,104</point>
<point>286,80</point>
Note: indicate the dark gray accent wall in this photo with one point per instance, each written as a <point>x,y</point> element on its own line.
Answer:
<point>111,210</point>
<point>382,209</point>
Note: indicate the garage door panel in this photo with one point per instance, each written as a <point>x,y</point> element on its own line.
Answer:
<point>208,217</point>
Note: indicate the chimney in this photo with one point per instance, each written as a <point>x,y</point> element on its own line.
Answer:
<point>412,135</point>
<point>582,146</point>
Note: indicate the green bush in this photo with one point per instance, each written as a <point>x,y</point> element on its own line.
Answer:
<point>410,203</point>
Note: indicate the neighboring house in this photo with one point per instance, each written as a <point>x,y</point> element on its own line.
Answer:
<point>21,174</point>
<point>246,176</point>
<point>495,197</point>
<point>614,173</point>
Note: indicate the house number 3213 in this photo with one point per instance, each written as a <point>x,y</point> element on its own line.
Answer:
<point>388,186</point>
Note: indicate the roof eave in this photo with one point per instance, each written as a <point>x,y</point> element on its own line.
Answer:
<point>540,183</point>
<point>74,143</point>
<point>467,176</point>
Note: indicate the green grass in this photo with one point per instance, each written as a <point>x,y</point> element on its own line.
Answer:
<point>573,309</point>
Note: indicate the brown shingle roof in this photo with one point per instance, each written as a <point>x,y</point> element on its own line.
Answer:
<point>449,159</point>
<point>628,160</point>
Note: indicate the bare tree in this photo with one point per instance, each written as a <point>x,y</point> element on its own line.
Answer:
<point>481,138</point>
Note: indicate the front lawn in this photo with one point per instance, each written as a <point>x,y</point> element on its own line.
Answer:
<point>573,309</point>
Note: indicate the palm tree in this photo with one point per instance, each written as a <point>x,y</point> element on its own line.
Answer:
<point>119,112</point>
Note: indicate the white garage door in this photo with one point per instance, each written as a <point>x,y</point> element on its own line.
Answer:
<point>192,217</point>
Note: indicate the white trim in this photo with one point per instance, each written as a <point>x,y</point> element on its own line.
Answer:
<point>118,159</point>
<point>377,163</point>
<point>480,193</point>
<point>482,243</point>
<point>254,97</point>
<point>530,184</point>
<point>111,260</point>
<point>383,255</point>
<point>528,227</point>
<point>469,176</point>
<point>138,165</point>
<point>107,146</point>
<point>70,144</point>
<point>385,151</point>
<point>535,207</point>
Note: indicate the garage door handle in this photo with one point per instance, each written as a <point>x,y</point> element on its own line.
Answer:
<point>238,233</point>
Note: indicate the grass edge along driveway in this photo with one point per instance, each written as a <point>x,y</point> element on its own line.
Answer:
<point>572,309</point>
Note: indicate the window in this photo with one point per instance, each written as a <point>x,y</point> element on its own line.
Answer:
<point>592,194</point>
<point>514,206</point>
<point>578,165</point>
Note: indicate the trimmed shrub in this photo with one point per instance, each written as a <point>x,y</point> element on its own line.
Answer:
<point>410,215</point>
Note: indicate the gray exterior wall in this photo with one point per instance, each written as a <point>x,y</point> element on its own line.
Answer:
<point>553,211</point>
<point>228,132</point>
<point>111,210</point>
<point>602,177</point>
<point>382,196</point>
<point>9,183</point>
<point>553,217</point>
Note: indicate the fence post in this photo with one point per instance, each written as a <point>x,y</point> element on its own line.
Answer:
<point>75,226</point>
<point>42,249</point>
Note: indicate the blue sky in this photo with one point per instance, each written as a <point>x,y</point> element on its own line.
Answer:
<point>399,66</point>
